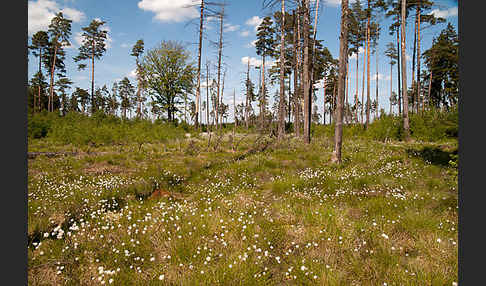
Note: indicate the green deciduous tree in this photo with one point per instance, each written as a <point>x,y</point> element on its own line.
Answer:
<point>169,74</point>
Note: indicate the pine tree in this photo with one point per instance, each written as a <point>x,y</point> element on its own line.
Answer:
<point>392,53</point>
<point>343,53</point>
<point>40,42</point>
<point>59,31</point>
<point>93,47</point>
<point>137,51</point>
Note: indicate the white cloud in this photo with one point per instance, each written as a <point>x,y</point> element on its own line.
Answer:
<point>253,61</point>
<point>41,12</point>
<point>251,44</point>
<point>73,14</point>
<point>230,28</point>
<point>170,10</point>
<point>124,45</point>
<point>257,62</point>
<point>451,12</point>
<point>334,3</point>
<point>254,22</point>
<point>132,73</point>
<point>245,33</point>
<point>380,76</point>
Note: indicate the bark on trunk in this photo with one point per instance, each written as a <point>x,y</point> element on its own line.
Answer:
<point>362,88</point>
<point>418,59</point>
<point>324,105</point>
<point>406,126</point>
<point>247,93</point>
<point>338,131</point>
<point>297,79</point>
<point>377,105</point>
<point>219,62</point>
<point>51,89</point>
<point>92,80</point>
<point>347,91</point>
<point>368,103</point>
<point>391,87</point>
<point>399,71</point>
<point>207,96</point>
<point>307,98</point>
<point>281,107</point>
<point>357,90</point>
<point>198,90</point>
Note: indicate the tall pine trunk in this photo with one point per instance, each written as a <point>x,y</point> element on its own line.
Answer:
<point>398,70</point>
<point>377,105</point>
<point>247,93</point>
<point>368,103</point>
<point>50,104</point>
<point>306,82</point>
<point>391,86</point>
<point>297,78</point>
<point>343,52</point>
<point>220,50</point>
<point>347,91</point>
<point>357,88</point>
<point>92,79</point>
<point>363,88</point>
<point>39,87</point>
<point>198,90</point>
<point>281,107</point>
<point>418,57</point>
<point>207,96</point>
<point>414,100</point>
<point>324,104</point>
<point>406,126</point>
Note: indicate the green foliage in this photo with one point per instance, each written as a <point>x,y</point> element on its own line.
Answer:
<point>100,129</point>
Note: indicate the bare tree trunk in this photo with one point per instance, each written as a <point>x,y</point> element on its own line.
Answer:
<point>247,93</point>
<point>39,87</point>
<point>362,88</point>
<point>198,89</point>
<point>404,77</point>
<point>377,105</point>
<point>368,103</point>
<point>324,104</point>
<point>391,86</point>
<point>281,107</point>
<point>222,95</point>
<point>414,100</point>
<point>343,52</point>
<point>92,80</point>
<point>234,112</point>
<point>418,57</point>
<point>207,96</point>
<point>220,50</point>
<point>307,96</point>
<point>262,94</point>
<point>347,91</point>
<point>296,75</point>
<point>398,71</point>
<point>430,88</point>
<point>357,86</point>
<point>51,91</point>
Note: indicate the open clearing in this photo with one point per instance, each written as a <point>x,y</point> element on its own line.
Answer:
<point>180,213</point>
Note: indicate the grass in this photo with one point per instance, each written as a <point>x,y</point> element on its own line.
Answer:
<point>286,215</point>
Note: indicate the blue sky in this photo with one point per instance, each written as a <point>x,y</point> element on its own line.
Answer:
<point>157,20</point>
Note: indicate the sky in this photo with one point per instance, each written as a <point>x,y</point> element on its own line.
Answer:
<point>157,20</point>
